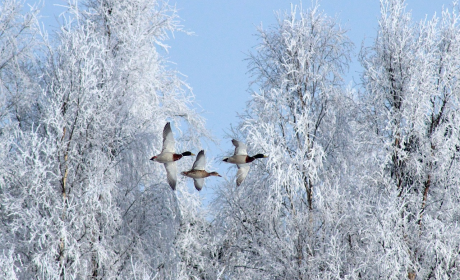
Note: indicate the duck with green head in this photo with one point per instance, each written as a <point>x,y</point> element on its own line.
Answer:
<point>169,157</point>
<point>242,160</point>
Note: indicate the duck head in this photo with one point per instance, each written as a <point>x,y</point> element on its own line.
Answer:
<point>214,174</point>
<point>260,156</point>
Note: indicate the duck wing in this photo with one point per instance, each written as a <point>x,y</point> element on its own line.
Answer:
<point>168,139</point>
<point>199,183</point>
<point>240,147</point>
<point>171,174</point>
<point>200,162</point>
<point>243,170</point>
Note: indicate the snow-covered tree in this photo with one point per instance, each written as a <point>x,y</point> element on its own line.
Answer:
<point>286,220</point>
<point>411,82</point>
<point>80,198</point>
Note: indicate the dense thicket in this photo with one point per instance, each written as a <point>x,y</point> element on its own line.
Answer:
<point>360,183</point>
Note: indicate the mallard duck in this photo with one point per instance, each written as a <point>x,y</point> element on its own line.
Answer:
<point>242,160</point>
<point>198,173</point>
<point>169,157</point>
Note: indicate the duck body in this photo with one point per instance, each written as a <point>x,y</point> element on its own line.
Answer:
<point>165,156</point>
<point>198,173</point>
<point>242,159</point>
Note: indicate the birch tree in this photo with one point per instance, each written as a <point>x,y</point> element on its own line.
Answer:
<point>411,83</point>
<point>79,197</point>
<point>282,222</point>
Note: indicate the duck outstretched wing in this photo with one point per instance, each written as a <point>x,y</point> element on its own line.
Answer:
<point>240,147</point>
<point>243,170</point>
<point>168,139</point>
<point>171,174</point>
<point>200,162</point>
<point>199,183</point>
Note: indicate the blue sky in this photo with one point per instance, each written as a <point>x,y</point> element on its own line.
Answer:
<point>213,59</point>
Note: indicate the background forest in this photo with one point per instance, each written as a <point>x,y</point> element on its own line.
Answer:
<point>361,182</point>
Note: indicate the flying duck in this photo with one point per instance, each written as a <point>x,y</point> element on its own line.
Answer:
<point>242,160</point>
<point>198,173</point>
<point>169,157</point>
